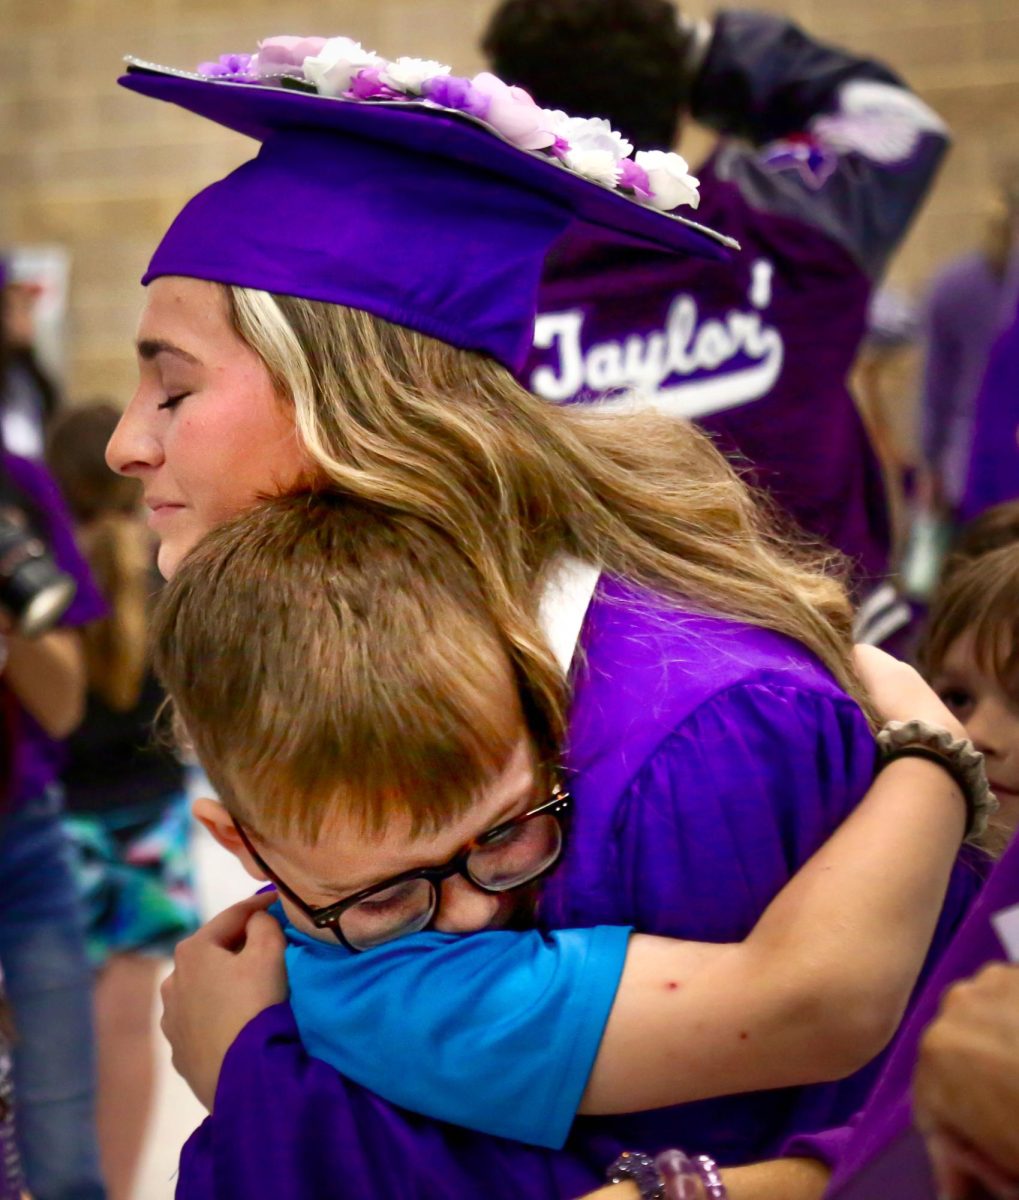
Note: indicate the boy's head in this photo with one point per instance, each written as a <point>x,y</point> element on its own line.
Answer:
<point>970,653</point>
<point>619,59</point>
<point>342,682</point>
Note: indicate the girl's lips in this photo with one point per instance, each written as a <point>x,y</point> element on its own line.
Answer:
<point>161,510</point>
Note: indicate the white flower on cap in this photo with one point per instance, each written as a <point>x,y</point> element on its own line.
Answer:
<point>336,64</point>
<point>410,74</point>
<point>670,179</point>
<point>593,148</point>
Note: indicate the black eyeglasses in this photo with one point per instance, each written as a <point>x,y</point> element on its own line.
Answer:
<point>511,855</point>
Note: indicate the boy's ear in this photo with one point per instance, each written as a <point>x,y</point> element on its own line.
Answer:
<point>214,816</point>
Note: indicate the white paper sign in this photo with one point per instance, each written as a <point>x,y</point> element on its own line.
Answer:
<point>1006,925</point>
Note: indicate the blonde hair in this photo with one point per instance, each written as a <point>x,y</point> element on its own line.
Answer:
<point>115,544</point>
<point>448,435</point>
<point>322,652</point>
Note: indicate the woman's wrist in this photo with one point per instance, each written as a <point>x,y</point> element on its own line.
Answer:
<point>672,1175</point>
<point>956,756</point>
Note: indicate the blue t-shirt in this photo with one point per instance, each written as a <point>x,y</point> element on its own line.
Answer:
<point>493,1031</point>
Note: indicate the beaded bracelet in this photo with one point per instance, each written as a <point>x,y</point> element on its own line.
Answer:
<point>673,1175</point>
<point>641,1170</point>
<point>687,1178</point>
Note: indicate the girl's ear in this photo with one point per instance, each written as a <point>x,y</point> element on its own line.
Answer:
<point>216,819</point>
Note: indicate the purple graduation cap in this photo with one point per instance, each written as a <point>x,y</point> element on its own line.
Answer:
<point>435,206</point>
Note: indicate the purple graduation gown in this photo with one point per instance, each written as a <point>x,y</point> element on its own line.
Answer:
<point>711,760</point>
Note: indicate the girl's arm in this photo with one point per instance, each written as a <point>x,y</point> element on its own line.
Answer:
<point>783,1179</point>
<point>819,986</point>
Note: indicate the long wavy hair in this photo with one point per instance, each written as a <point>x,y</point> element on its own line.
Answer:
<point>449,436</point>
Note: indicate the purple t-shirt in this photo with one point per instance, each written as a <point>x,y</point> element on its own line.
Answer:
<point>38,758</point>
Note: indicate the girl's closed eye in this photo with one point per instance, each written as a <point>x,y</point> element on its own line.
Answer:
<point>171,402</point>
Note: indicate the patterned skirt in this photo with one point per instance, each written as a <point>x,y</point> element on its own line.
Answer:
<point>136,879</point>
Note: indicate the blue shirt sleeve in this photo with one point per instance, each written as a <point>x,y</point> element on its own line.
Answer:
<point>447,1026</point>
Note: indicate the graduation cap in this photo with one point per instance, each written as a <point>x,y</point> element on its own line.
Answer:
<point>407,204</point>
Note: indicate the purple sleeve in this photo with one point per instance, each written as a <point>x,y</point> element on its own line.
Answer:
<point>40,487</point>
<point>838,141</point>
<point>287,1127</point>
<point>993,472</point>
<point>828,1146</point>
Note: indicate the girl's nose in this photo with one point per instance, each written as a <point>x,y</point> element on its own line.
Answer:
<point>134,446</point>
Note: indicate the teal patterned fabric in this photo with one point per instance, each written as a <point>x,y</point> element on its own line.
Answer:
<point>135,874</point>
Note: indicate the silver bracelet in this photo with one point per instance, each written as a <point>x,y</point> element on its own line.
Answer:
<point>959,757</point>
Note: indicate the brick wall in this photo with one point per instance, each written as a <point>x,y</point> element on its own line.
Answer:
<point>84,163</point>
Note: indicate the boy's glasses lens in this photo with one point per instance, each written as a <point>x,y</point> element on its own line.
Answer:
<point>502,861</point>
<point>402,909</point>
<point>517,855</point>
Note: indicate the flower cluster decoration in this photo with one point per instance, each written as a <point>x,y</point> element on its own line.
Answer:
<point>339,67</point>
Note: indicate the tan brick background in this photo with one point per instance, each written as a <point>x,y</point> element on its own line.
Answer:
<point>86,164</point>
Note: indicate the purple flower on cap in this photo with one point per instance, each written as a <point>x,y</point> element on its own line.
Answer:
<point>367,84</point>
<point>513,113</point>
<point>286,55</point>
<point>454,91</point>
<point>228,66</point>
<point>341,68</point>
<point>634,179</point>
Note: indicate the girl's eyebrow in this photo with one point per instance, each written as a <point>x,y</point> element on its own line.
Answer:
<point>150,348</point>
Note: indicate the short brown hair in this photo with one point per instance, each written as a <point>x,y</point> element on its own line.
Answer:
<point>979,595</point>
<point>322,650</point>
<point>994,528</point>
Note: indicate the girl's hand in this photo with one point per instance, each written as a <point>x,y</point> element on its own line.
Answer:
<point>223,977</point>
<point>900,693</point>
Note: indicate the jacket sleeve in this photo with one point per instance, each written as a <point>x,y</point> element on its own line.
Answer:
<point>832,139</point>
<point>287,1127</point>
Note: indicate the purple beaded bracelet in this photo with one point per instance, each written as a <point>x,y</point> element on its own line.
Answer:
<point>687,1178</point>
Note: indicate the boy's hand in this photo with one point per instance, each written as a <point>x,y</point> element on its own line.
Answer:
<point>223,977</point>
